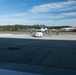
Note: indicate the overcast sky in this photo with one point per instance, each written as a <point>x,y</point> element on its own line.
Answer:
<point>30,12</point>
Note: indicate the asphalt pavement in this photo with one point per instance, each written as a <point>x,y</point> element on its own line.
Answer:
<point>59,54</point>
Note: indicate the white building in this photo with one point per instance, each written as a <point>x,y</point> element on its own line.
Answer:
<point>67,29</point>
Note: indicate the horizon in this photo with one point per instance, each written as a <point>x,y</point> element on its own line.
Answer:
<point>42,12</point>
<point>42,25</point>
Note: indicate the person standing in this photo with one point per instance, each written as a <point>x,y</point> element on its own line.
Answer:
<point>31,31</point>
<point>50,32</point>
<point>57,32</point>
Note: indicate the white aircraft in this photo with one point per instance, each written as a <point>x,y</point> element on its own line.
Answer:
<point>43,29</point>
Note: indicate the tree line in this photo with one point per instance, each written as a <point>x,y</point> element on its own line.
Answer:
<point>18,27</point>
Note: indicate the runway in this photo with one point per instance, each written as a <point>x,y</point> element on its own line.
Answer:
<point>23,32</point>
<point>38,55</point>
<point>28,35</point>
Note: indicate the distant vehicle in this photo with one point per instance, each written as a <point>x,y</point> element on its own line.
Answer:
<point>74,30</point>
<point>68,29</point>
<point>39,33</point>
